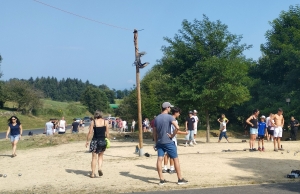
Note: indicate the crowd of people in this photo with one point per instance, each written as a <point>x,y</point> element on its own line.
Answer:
<point>165,129</point>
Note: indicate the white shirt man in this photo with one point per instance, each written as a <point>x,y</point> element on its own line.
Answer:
<point>195,125</point>
<point>124,125</point>
<point>62,126</point>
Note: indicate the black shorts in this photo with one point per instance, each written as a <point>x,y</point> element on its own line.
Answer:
<point>261,136</point>
<point>271,132</point>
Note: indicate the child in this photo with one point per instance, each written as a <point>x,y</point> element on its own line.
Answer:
<point>261,132</point>
<point>175,113</point>
<point>223,130</point>
<point>222,119</point>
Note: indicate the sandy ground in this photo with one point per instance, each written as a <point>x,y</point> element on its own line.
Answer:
<point>65,168</point>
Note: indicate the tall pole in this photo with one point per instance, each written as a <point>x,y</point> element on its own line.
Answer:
<point>138,92</point>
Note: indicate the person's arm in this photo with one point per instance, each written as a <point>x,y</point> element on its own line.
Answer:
<point>89,134</point>
<point>248,121</point>
<point>8,131</point>
<point>227,121</point>
<point>219,120</point>
<point>186,125</point>
<point>155,135</point>
<point>21,131</point>
<point>176,129</point>
<point>107,130</point>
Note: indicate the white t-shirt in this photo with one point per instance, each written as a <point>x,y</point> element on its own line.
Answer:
<point>62,126</point>
<point>133,123</point>
<point>124,124</point>
<point>223,124</point>
<point>267,121</point>
<point>172,131</point>
<point>196,122</point>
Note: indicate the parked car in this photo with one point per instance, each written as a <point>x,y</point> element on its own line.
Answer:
<point>86,119</point>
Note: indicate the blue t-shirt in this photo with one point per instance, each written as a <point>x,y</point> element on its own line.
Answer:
<point>261,128</point>
<point>163,124</point>
<point>14,130</point>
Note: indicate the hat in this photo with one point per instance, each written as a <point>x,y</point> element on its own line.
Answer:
<point>191,112</point>
<point>166,105</point>
<point>195,111</point>
<point>263,117</point>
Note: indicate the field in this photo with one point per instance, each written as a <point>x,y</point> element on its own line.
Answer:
<point>62,165</point>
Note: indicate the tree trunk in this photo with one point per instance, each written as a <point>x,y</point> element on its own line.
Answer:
<point>207,127</point>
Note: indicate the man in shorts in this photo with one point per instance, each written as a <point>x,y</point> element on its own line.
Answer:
<point>195,126</point>
<point>278,124</point>
<point>164,144</point>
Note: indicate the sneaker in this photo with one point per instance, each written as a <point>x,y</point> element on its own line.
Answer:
<point>164,171</point>
<point>182,181</point>
<point>263,149</point>
<point>259,149</point>
<point>191,145</point>
<point>162,182</point>
<point>172,171</point>
<point>195,143</point>
<point>254,149</point>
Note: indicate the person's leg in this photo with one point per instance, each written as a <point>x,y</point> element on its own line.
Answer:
<point>177,168</point>
<point>172,168</point>
<point>93,164</point>
<point>226,137</point>
<point>262,144</point>
<point>100,160</point>
<point>159,167</point>
<point>166,157</point>
<point>274,142</point>
<point>278,142</point>
<point>295,133</point>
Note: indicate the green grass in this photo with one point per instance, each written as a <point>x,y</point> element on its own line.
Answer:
<point>33,122</point>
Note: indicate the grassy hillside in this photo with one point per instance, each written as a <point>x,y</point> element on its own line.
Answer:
<point>51,109</point>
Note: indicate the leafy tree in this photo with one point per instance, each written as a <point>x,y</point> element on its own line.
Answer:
<point>207,67</point>
<point>94,99</point>
<point>277,71</point>
<point>26,96</point>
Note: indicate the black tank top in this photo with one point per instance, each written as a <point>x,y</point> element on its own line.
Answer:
<point>99,132</point>
<point>254,122</point>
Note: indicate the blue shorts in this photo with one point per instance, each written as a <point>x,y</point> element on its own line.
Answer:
<point>223,134</point>
<point>253,131</point>
<point>14,138</point>
<point>190,135</point>
<point>169,148</point>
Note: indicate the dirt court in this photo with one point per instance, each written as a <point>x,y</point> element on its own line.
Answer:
<point>65,168</point>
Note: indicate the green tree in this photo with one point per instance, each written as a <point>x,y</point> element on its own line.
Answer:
<point>94,99</point>
<point>207,67</point>
<point>26,96</point>
<point>277,71</point>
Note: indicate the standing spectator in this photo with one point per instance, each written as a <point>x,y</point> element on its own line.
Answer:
<point>15,130</point>
<point>223,131</point>
<point>164,142</point>
<point>120,125</point>
<point>152,123</point>
<point>124,124</point>
<point>99,129</point>
<point>144,125</point>
<point>132,125</point>
<point>278,124</point>
<point>49,128</point>
<point>75,126</point>
<point>190,126</point>
<point>62,126</point>
<point>270,127</point>
<point>113,122</point>
<point>294,128</point>
<point>253,122</point>
<point>261,133</point>
<point>195,126</point>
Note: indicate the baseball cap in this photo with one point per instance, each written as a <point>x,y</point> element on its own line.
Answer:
<point>191,112</point>
<point>195,111</point>
<point>263,116</point>
<point>166,105</point>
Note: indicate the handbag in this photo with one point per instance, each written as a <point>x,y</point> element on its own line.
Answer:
<point>107,143</point>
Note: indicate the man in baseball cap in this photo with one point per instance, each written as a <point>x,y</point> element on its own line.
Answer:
<point>166,105</point>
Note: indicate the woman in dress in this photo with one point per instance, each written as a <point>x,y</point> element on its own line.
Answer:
<point>15,130</point>
<point>252,121</point>
<point>99,129</point>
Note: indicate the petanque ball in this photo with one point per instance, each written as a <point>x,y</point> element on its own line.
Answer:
<point>4,175</point>
<point>20,174</point>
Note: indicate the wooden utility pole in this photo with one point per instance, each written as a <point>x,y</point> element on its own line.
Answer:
<point>138,92</point>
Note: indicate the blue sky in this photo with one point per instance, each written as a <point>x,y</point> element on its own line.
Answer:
<point>37,40</point>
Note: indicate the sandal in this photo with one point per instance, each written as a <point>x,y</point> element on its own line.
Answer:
<point>100,172</point>
<point>92,175</point>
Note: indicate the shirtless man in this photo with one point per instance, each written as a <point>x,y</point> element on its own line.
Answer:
<point>278,124</point>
